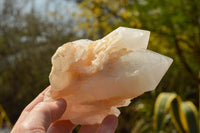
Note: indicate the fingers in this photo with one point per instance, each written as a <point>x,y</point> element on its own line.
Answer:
<point>62,126</point>
<point>43,114</point>
<point>108,125</point>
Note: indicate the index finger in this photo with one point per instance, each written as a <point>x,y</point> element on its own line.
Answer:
<point>37,100</point>
<point>28,108</point>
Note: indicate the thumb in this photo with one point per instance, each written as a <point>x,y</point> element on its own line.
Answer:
<point>43,114</point>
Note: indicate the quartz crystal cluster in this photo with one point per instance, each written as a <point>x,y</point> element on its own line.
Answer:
<point>97,77</point>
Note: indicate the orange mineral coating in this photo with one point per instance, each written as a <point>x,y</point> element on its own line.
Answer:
<point>96,77</point>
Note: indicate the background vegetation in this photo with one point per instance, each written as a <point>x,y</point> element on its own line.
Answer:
<point>31,32</point>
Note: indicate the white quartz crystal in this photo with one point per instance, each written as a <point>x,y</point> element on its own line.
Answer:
<point>96,77</point>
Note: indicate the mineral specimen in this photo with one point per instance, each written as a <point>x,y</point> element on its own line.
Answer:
<point>96,77</point>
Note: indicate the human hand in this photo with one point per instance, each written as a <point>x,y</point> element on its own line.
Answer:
<point>42,117</point>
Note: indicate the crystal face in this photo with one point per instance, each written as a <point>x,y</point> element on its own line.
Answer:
<point>96,77</point>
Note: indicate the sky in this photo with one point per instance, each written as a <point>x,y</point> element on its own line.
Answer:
<point>64,8</point>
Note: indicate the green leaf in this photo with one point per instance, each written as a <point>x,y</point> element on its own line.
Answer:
<point>190,118</point>
<point>163,103</point>
<point>175,112</point>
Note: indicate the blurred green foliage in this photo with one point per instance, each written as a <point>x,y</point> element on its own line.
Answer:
<point>27,42</point>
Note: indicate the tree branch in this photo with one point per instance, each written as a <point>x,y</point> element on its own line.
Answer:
<point>183,60</point>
